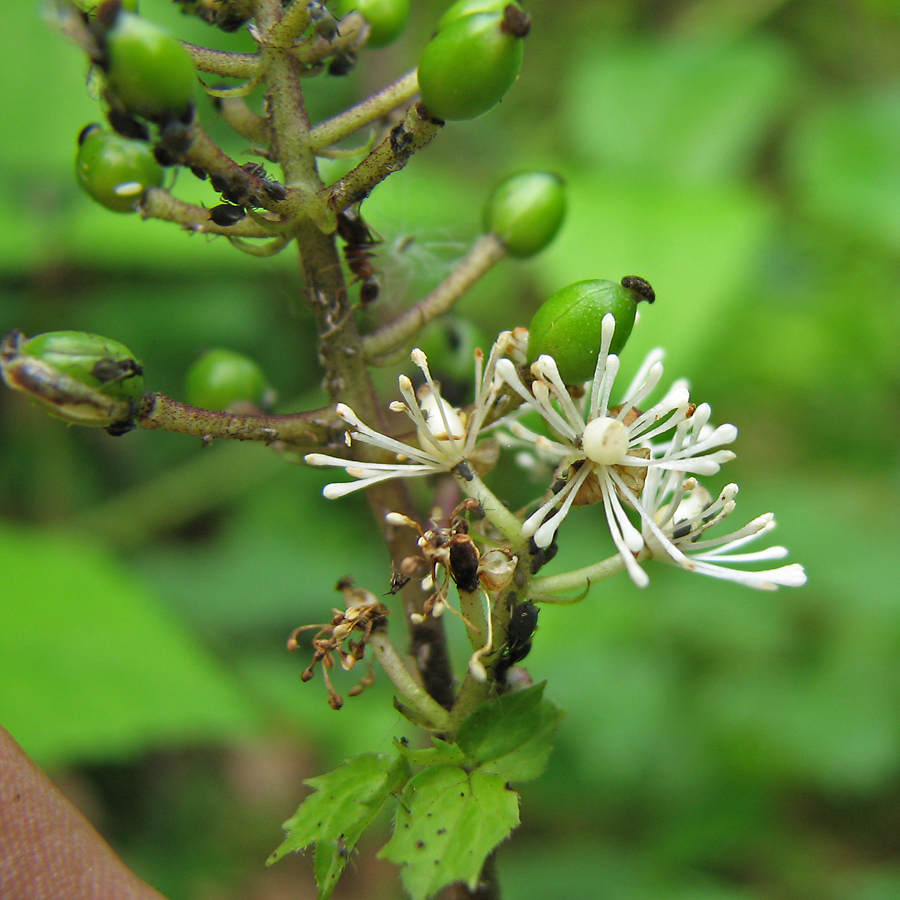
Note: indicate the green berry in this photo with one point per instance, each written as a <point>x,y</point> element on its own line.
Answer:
<point>467,67</point>
<point>387,19</point>
<point>83,378</point>
<point>526,211</point>
<point>568,325</point>
<point>114,170</point>
<point>148,71</point>
<point>463,8</point>
<point>221,378</point>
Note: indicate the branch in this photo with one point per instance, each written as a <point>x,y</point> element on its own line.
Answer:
<point>370,110</point>
<point>223,63</point>
<point>485,253</point>
<point>415,131</point>
<point>158,203</point>
<point>311,429</point>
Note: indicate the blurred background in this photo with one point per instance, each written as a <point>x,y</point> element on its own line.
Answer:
<point>720,743</point>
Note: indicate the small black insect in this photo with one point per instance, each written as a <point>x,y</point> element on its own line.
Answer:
<point>127,126</point>
<point>464,561</point>
<point>540,556</point>
<point>358,243</point>
<point>110,371</point>
<point>342,63</point>
<point>225,214</point>
<point>523,620</point>
<point>640,286</point>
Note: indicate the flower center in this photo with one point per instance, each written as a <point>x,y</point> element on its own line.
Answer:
<point>605,441</point>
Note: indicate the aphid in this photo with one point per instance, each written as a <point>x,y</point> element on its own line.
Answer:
<point>523,620</point>
<point>358,242</point>
<point>225,214</point>
<point>342,63</point>
<point>109,371</point>
<point>464,558</point>
<point>126,125</point>
<point>640,286</point>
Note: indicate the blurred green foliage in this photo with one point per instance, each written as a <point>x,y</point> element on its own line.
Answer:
<point>720,744</point>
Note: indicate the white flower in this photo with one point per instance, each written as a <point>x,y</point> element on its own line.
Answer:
<point>605,453</point>
<point>684,511</point>
<point>445,437</point>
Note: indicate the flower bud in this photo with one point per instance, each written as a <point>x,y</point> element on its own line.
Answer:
<point>83,378</point>
<point>526,211</point>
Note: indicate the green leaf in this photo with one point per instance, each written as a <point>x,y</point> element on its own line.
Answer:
<point>447,823</point>
<point>440,753</point>
<point>344,805</point>
<point>94,667</point>
<point>513,735</point>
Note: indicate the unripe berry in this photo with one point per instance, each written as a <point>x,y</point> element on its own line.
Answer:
<point>568,326</point>
<point>114,170</point>
<point>468,66</point>
<point>83,378</point>
<point>387,19</point>
<point>148,71</point>
<point>463,8</point>
<point>526,211</point>
<point>221,378</point>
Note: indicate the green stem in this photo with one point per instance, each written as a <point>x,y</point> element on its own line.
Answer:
<point>484,254</point>
<point>497,514</point>
<point>305,430</point>
<point>545,589</point>
<point>370,110</point>
<point>160,204</point>
<point>390,156</point>
<point>293,23</point>
<point>408,688</point>
<point>223,63</point>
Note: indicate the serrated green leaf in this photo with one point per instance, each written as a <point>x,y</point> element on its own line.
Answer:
<point>344,805</point>
<point>448,821</point>
<point>513,735</point>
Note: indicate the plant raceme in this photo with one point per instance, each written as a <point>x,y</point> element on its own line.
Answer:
<point>545,399</point>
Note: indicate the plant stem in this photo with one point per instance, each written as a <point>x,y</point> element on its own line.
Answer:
<point>406,685</point>
<point>484,254</point>
<point>223,63</point>
<point>370,110</point>
<point>390,156</point>
<point>304,430</point>
<point>160,204</point>
<point>544,589</point>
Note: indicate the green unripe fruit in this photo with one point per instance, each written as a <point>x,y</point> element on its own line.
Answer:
<point>148,71</point>
<point>463,8</point>
<point>114,170</point>
<point>526,211</point>
<point>221,378</point>
<point>568,325</point>
<point>387,19</point>
<point>83,378</point>
<point>467,67</point>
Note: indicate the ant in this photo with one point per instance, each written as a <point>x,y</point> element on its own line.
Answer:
<point>359,240</point>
